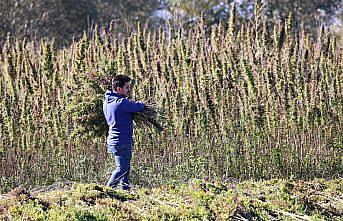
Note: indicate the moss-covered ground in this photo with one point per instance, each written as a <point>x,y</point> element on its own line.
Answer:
<point>318,199</point>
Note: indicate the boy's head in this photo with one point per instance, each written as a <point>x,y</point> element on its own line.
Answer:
<point>121,85</point>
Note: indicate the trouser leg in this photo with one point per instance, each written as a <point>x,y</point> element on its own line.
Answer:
<point>122,155</point>
<point>125,180</point>
<point>118,173</point>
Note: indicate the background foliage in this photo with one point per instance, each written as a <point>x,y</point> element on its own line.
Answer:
<point>64,20</point>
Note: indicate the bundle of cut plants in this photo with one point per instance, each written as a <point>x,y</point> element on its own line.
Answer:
<point>150,117</point>
<point>86,109</point>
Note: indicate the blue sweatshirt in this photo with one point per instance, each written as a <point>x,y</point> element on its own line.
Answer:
<point>118,113</point>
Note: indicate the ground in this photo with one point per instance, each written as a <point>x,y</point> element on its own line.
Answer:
<point>276,199</point>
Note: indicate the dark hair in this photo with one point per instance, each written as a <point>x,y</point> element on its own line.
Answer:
<point>119,81</point>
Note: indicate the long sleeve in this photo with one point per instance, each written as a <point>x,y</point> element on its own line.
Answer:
<point>130,106</point>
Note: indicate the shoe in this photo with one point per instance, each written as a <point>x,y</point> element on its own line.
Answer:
<point>125,187</point>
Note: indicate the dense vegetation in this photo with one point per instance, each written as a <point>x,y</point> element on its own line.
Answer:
<point>238,101</point>
<point>64,20</point>
<point>268,200</point>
